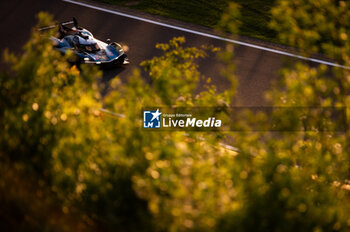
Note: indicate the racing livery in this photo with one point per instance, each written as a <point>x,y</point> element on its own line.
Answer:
<point>87,48</point>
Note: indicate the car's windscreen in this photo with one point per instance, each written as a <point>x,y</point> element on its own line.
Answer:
<point>92,48</point>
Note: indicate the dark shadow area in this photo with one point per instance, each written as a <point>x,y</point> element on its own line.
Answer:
<point>110,72</point>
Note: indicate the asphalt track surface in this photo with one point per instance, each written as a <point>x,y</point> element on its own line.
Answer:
<point>255,68</point>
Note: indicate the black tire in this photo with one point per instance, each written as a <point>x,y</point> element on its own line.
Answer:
<point>121,59</point>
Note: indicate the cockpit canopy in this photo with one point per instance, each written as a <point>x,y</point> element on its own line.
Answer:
<point>85,43</point>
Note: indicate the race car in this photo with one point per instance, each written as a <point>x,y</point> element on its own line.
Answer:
<point>85,46</point>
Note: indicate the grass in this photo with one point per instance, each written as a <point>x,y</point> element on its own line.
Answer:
<point>255,13</point>
<point>255,19</point>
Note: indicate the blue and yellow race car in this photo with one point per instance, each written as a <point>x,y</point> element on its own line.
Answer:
<point>87,48</point>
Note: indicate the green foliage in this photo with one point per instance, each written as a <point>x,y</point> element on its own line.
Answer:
<point>89,170</point>
<point>314,26</point>
<point>175,71</point>
<point>230,20</point>
<point>175,76</point>
<point>255,18</point>
<point>174,167</point>
<point>67,165</point>
<point>298,181</point>
<point>51,137</point>
<point>279,194</point>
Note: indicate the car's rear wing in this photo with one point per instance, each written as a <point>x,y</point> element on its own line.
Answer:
<point>74,21</point>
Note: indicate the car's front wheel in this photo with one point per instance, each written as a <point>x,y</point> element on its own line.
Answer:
<point>123,59</point>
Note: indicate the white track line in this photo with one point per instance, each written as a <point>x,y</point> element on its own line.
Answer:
<point>208,35</point>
